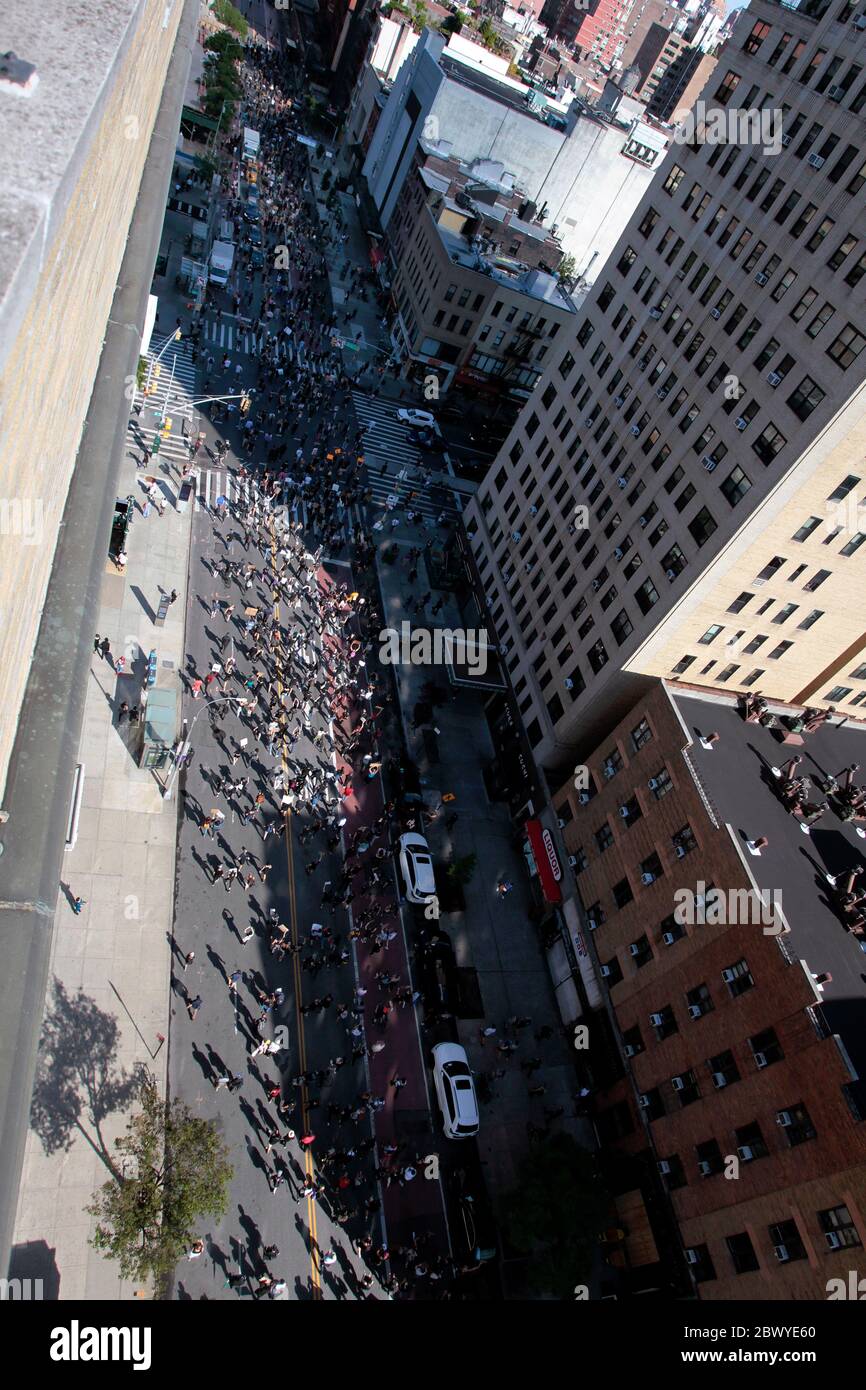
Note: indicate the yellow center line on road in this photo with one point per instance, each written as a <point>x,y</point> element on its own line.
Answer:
<point>309,1166</point>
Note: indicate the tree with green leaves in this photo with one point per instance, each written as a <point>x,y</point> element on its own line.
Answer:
<point>556,1213</point>
<point>224,44</point>
<point>567,269</point>
<point>171,1170</point>
<point>229,15</point>
<point>461,870</point>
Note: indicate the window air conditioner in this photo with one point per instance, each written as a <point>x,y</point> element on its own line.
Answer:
<point>533,511</point>
<point>746,1153</point>
<point>664,1166</point>
<point>623,810</point>
<point>591,923</point>
<point>678,1083</point>
<point>680,850</point>
<point>695,1011</point>
<point>622,483</point>
<point>741,422</point>
<point>761,278</point>
<point>760,1060</point>
<point>671,575</point>
<point>859,21</point>
<point>835,93</point>
<point>719,1080</point>
<point>560,822</point>
<point>715,313</point>
<point>691,1257</point>
<point>587,424</point>
<point>635,429</point>
<point>781,1253</point>
<point>569,685</point>
<point>595,585</point>
<point>786,139</point>
<point>629,1050</point>
<point>728,975</point>
<point>662,392</point>
<point>709,462</point>
<point>572,861</point>
<point>618,553</point>
<point>584,798</point>
<point>516,536</point>
<point>816,161</point>
<point>643,364</point>
<point>652,783</point>
<point>605,971</point>
<point>656,1020</point>
<point>833,1239</point>
<point>774,378</point>
<point>668,938</point>
<point>634,949</point>
<point>785,1119</point>
<point>643,1101</point>
<point>647,878</point>
<point>655,313</point>
<point>619,400</point>
<point>705,1168</point>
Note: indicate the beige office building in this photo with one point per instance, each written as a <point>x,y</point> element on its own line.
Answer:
<point>684,496</point>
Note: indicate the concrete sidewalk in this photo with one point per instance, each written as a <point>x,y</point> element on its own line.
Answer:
<point>494,936</point>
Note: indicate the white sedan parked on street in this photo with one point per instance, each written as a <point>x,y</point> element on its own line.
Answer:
<point>416,867</point>
<point>455,1090</point>
<point>417,417</point>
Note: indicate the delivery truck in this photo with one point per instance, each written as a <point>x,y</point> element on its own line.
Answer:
<point>251,143</point>
<point>221,260</point>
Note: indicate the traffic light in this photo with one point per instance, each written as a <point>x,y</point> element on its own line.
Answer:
<point>245,404</point>
<point>166,427</point>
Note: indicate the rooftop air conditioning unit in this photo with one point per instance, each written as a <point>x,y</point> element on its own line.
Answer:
<point>643,1101</point>
<point>691,1257</point>
<point>634,949</point>
<point>761,278</point>
<point>695,1011</point>
<point>668,938</point>
<point>655,313</point>
<point>746,1153</point>
<point>719,1080</point>
<point>656,1020</point>
<point>705,1168</point>
<point>605,971</point>
<point>715,313</point>
<point>709,462</point>
<point>833,1239</point>
<point>859,21</point>
<point>835,93</point>
<point>680,851</point>
<point>664,1166</point>
<point>629,1050</point>
<point>647,878</point>
<point>671,575</point>
<point>774,378</point>
<point>678,1083</point>
<point>619,400</point>
<point>816,161</point>
<point>741,422</point>
<point>786,139</point>
<point>781,1253</point>
<point>662,392</point>
<point>760,1060</point>
<point>785,1119</point>
<point>635,429</point>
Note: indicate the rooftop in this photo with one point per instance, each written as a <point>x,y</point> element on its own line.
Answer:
<point>537,284</point>
<point>45,135</point>
<point>737,779</point>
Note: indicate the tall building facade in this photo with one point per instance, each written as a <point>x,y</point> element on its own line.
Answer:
<point>685,495</point>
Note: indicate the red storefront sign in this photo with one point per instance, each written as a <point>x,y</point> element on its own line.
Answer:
<point>546,860</point>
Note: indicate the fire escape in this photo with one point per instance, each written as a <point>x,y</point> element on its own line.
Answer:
<point>518,353</point>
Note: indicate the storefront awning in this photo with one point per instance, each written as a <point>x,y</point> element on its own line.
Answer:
<point>546,860</point>
<point>193,117</point>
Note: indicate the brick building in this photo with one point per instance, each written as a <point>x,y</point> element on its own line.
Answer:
<point>742,1038</point>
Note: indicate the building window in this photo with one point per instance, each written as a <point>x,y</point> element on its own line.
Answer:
<point>847,347</point>
<point>729,84</point>
<point>742,1253</point>
<point>738,978</point>
<point>660,783</point>
<point>604,837</point>
<point>838,1227</point>
<point>796,1124</point>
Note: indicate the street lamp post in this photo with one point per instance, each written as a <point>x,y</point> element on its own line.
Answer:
<point>187,737</point>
